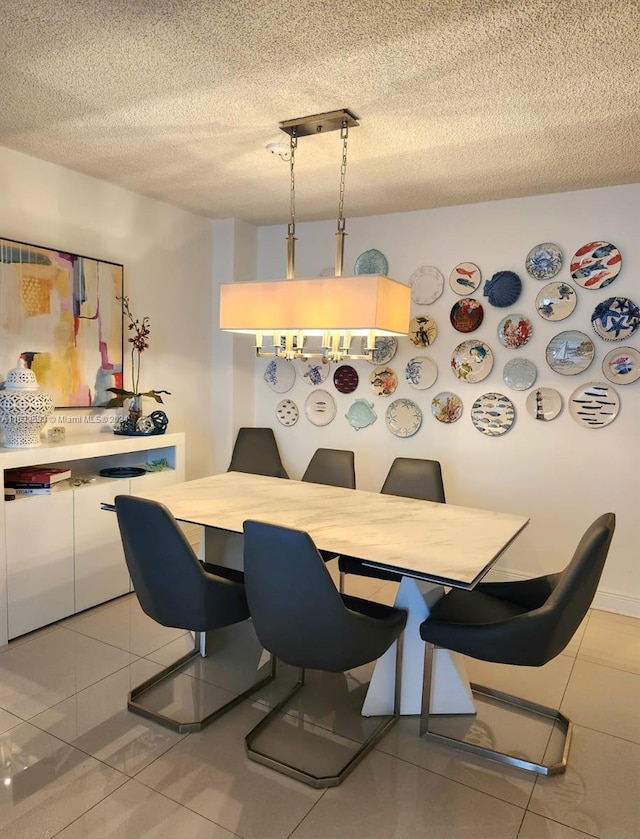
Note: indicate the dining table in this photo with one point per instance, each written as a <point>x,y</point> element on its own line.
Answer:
<point>431,545</point>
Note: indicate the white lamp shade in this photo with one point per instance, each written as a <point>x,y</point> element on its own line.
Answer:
<point>366,303</point>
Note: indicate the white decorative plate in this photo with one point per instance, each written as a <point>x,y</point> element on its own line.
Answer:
<point>544,403</point>
<point>280,374</point>
<point>427,284</point>
<point>519,373</point>
<point>371,262</point>
<point>446,407</point>
<point>556,301</point>
<point>514,331</point>
<point>465,278</point>
<point>493,414</point>
<point>422,331</point>
<point>544,261</point>
<point>287,412</point>
<point>383,381</point>
<point>622,366</point>
<point>594,405</point>
<point>570,352</point>
<point>386,348</point>
<point>403,417</point>
<point>472,361</point>
<point>314,371</point>
<point>420,372</point>
<point>596,264</point>
<point>615,319</point>
<point>320,407</point>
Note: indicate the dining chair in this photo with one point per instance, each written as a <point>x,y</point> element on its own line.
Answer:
<point>256,451</point>
<point>525,623</point>
<point>409,477</point>
<point>301,618</point>
<point>334,467</point>
<point>175,589</point>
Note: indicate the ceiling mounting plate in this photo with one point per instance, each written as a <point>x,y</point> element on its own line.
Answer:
<point>319,123</point>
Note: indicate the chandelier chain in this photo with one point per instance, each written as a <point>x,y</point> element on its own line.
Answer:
<point>292,189</point>
<point>344,134</point>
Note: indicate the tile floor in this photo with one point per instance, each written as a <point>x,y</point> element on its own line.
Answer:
<point>76,763</point>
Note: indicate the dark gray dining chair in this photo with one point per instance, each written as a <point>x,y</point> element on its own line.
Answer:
<point>302,619</point>
<point>526,623</point>
<point>175,589</point>
<point>256,451</point>
<point>409,477</point>
<point>334,467</point>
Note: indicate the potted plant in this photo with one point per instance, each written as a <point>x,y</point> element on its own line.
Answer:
<point>139,343</point>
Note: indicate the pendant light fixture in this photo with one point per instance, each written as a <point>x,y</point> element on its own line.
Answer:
<point>336,309</point>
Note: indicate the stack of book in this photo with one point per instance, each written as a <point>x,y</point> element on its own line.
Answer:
<point>33,480</point>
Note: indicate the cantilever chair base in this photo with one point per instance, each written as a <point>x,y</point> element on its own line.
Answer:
<point>299,774</point>
<point>193,725</point>
<point>505,699</point>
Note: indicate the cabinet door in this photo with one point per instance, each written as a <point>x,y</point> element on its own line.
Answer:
<point>100,568</point>
<point>39,560</point>
<point>152,481</point>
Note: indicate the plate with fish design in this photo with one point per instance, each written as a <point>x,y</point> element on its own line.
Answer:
<point>622,366</point>
<point>594,405</point>
<point>465,278</point>
<point>596,265</point>
<point>493,414</point>
<point>320,407</point>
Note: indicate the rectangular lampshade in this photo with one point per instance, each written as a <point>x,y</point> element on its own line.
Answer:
<point>369,302</point>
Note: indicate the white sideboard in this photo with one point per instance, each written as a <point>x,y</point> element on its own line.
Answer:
<point>60,553</point>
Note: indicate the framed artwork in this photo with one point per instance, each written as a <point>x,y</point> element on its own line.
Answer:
<point>60,312</point>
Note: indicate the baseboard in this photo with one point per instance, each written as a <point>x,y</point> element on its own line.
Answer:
<point>606,601</point>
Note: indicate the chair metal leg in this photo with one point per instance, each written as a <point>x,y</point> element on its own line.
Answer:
<point>505,699</point>
<point>307,777</point>
<point>134,705</point>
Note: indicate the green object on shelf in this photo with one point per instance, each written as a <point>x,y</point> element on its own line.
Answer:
<point>157,465</point>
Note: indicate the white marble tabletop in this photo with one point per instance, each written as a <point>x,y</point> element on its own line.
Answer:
<point>424,539</point>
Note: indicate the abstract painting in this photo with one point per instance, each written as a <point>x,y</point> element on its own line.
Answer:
<point>60,312</point>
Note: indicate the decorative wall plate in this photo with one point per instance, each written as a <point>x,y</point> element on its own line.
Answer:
<point>446,407</point>
<point>493,414</point>
<point>594,405</point>
<point>466,315</point>
<point>514,331</point>
<point>622,365</point>
<point>420,372</point>
<point>422,331</point>
<point>616,319</point>
<point>345,378</point>
<point>426,284</point>
<point>544,403</point>
<point>519,374</point>
<point>544,261</point>
<point>280,374</point>
<point>570,352</point>
<point>596,264</point>
<point>320,407</point>
<point>465,278</point>
<point>556,301</point>
<point>403,417</point>
<point>503,289</point>
<point>361,414</point>
<point>383,381</point>
<point>287,412</point>
<point>314,371</point>
<point>472,361</point>
<point>371,262</point>
<point>386,348</point>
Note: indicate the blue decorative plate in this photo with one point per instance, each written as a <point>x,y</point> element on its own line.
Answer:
<point>596,264</point>
<point>519,373</point>
<point>420,372</point>
<point>594,405</point>
<point>556,301</point>
<point>280,374</point>
<point>371,262</point>
<point>616,318</point>
<point>503,289</point>
<point>493,414</point>
<point>544,261</point>
<point>361,414</point>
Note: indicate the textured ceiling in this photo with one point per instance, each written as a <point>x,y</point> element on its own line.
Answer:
<point>459,101</point>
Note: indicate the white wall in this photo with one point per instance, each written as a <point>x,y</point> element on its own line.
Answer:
<point>559,473</point>
<point>168,262</point>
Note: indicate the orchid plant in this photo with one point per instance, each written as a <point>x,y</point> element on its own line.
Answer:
<point>139,343</point>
